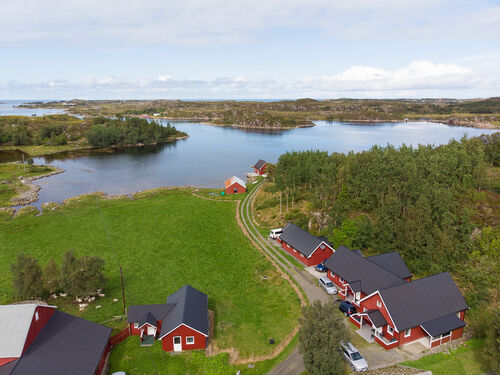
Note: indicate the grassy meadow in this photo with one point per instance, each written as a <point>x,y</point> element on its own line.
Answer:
<point>163,239</point>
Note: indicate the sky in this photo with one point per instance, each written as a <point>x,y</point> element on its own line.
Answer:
<point>253,49</point>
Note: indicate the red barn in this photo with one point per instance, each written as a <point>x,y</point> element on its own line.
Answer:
<point>394,309</point>
<point>180,324</point>
<point>37,339</point>
<point>304,246</point>
<point>234,185</point>
<point>260,167</point>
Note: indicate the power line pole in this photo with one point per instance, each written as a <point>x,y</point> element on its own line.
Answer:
<point>123,292</point>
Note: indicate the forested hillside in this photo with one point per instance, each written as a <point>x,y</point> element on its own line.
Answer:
<point>438,206</point>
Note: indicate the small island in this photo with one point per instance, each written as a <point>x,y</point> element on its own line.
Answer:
<point>55,133</point>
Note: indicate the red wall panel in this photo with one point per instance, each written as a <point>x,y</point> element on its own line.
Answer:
<point>44,314</point>
<point>167,342</point>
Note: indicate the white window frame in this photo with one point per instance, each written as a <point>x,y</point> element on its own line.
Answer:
<point>188,338</point>
<point>136,325</point>
<point>341,279</point>
<point>458,314</point>
<point>322,247</point>
<point>408,332</point>
<point>364,309</point>
<point>36,316</point>
<point>390,330</point>
<point>379,304</point>
<point>302,255</point>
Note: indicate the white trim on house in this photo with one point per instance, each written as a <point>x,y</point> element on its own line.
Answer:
<point>185,325</point>
<point>322,243</point>
<point>385,306</point>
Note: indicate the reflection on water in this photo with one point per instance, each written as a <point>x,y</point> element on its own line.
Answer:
<point>211,154</point>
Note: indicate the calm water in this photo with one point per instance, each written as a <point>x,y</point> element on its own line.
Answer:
<point>8,108</point>
<point>212,154</point>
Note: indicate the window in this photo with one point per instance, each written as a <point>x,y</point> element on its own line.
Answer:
<point>302,255</point>
<point>364,309</point>
<point>341,279</point>
<point>36,316</point>
<point>190,340</point>
<point>458,314</point>
<point>322,247</point>
<point>379,304</point>
<point>390,330</point>
<point>408,332</point>
<point>136,325</point>
<point>446,334</point>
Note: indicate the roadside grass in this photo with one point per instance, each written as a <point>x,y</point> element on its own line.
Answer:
<point>137,360</point>
<point>10,185</point>
<point>163,240</point>
<point>466,360</point>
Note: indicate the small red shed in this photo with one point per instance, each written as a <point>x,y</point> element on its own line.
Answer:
<point>260,167</point>
<point>234,185</point>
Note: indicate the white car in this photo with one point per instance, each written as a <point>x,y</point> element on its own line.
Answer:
<point>327,285</point>
<point>275,233</point>
<point>353,357</point>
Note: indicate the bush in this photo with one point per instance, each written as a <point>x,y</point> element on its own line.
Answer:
<point>322,329</point>
<point>27,277</point>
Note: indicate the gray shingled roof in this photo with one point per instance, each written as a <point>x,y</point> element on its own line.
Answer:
<point>377,318</point>
<point>359,272</point>
<point>300,239</point>
<point>442,325</point>
<point>66,345</point>
<point>260,164</point>
<point>137,313</point>
<point>191,309</point>
<point>148,319</point>
<point>393,263</point>
<point>421,301</point>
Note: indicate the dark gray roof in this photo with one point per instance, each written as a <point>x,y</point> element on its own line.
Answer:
<point>393,263</point>
<point>191,309</point>
<point>377,318</point>
<point>66,345</point>
<point>359,272</point>
<point>300,239</point>
<point>148,319</point>
<point>443,324</point>
<point>137,313</point>
<point>260,164</point>
<point>357,251</point>
<point>421,301</point>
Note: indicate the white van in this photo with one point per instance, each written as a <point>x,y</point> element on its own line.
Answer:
<point>275,233</point>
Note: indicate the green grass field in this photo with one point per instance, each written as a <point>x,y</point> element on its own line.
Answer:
<point>163,240</point>
<point>465,360</point>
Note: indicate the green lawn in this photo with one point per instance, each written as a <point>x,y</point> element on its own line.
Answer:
<point>465,360</point>
<point>163,240</point>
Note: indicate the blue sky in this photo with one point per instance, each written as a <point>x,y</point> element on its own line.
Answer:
<point>54,49</point>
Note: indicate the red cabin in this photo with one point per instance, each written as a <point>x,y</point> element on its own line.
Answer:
<point>304,246</point>
<point>260,167</point>
<point>180,324</point>
<point>234,185</point>
<point>38,339</point>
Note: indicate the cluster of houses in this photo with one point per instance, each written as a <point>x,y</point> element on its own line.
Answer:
<point>39,339</point>
<point>394,309</point>
<point>236,185</point>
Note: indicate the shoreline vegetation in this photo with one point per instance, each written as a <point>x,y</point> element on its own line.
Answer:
<point>50,134</point>
<point>289,114</point>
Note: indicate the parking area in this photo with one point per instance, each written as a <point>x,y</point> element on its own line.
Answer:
<point>315,273</point>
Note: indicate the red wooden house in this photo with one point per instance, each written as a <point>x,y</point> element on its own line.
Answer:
<point>37,339</point>
<point>180,324</point>
<point>304,246</point>
<point>260,167</point>
<point>234,185</point>
<point>391,308</point>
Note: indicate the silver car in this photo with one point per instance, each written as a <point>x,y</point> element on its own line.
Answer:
<point>327,285</point>
<point>353,357</point>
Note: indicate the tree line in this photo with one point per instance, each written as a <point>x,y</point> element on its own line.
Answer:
<point>78,277</point>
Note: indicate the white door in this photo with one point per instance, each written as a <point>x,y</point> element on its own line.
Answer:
<point>177,344</point>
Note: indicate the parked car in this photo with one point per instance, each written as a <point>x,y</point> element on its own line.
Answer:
<point>353,357</point>
<point>347,308</point>
<point>327,285</point>
<point>321,268</point>
<point>275,233</point>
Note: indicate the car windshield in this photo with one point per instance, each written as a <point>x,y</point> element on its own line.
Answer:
<point>355,356</point>
<point>329,284</point>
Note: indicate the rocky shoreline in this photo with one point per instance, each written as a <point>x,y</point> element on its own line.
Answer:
<point>31,195</point>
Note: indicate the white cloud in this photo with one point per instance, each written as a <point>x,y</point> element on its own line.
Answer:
<point>221,21</point>
<point>418,79</point>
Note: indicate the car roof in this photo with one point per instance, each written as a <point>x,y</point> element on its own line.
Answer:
<point>325,279</point>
